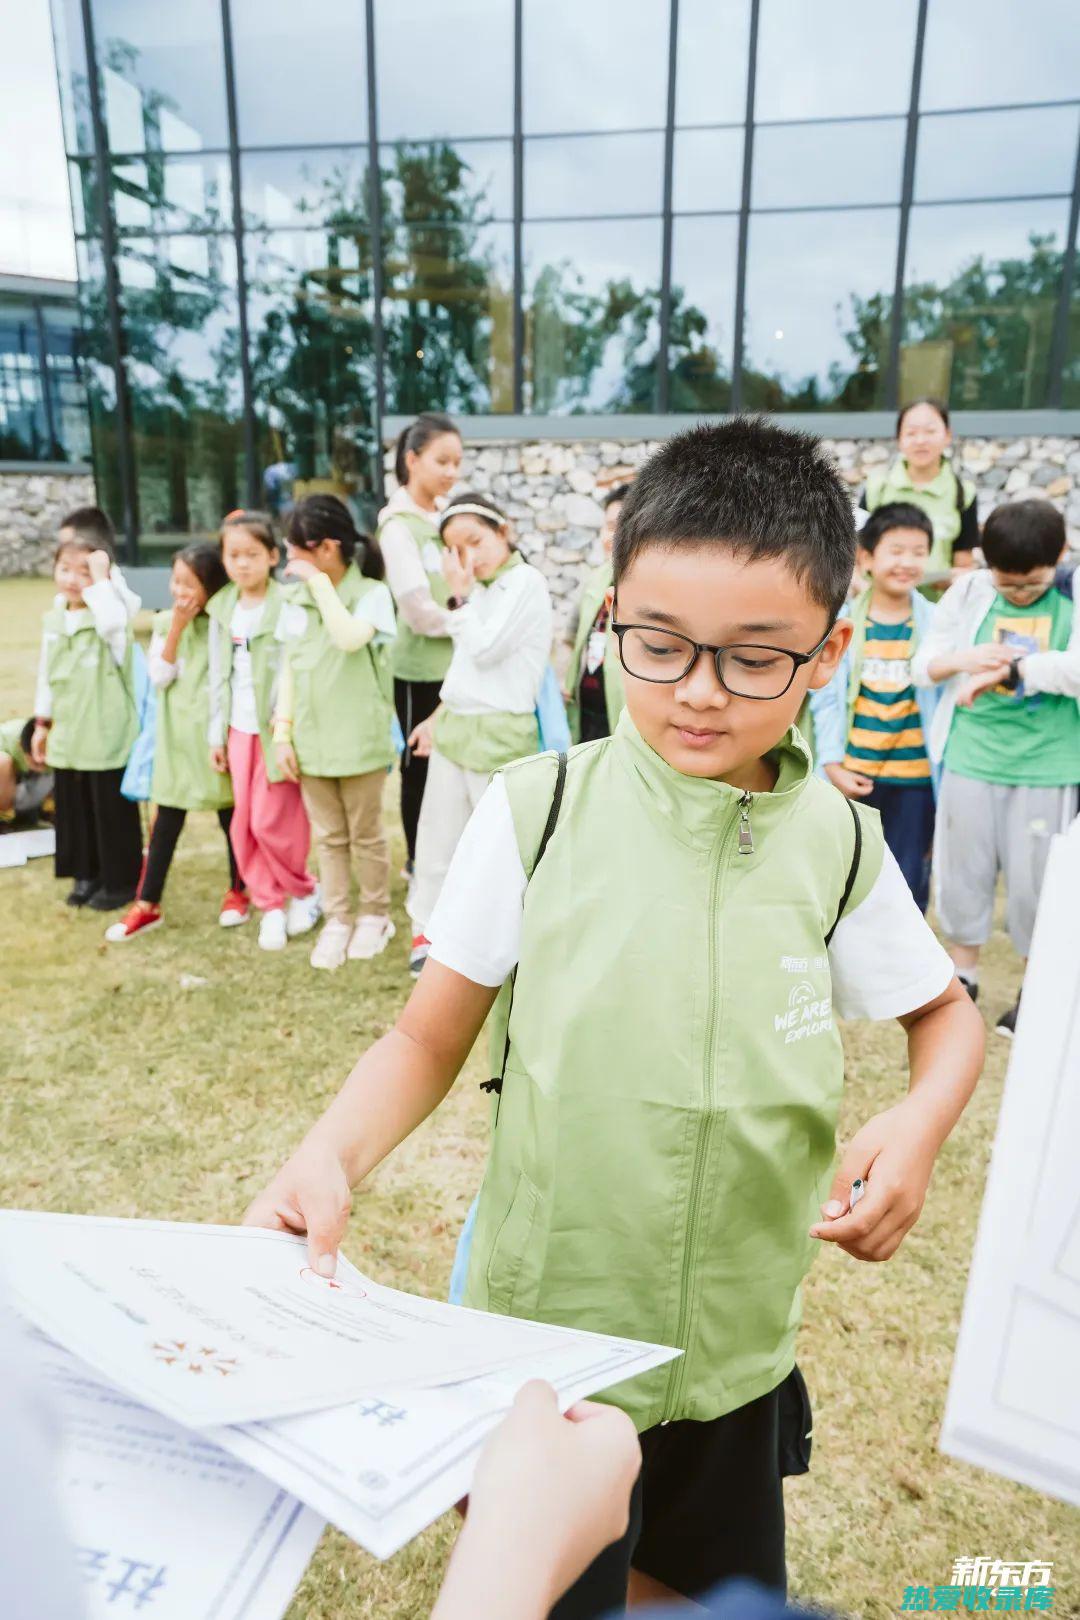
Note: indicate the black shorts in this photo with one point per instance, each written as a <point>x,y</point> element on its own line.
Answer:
<point>708,1504</point>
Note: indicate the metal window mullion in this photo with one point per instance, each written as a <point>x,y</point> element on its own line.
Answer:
<point>46,385</point>
<point>375,231</point>
<point>124,445</point>
<point>1059,336</point>
<point>250,467</point>
<point>907,191</point>
<point>662,391</point>
<point>744,212</point>
<point>518,329</point>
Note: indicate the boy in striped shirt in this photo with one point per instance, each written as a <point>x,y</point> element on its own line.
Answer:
<point>871,722</point>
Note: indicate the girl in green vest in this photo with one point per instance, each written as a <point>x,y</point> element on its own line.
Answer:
<point>487,709</point>
<point>334,718</point>
<point>86,722</point>
<point>183,778</point>
<point>427,461</point>
<point>269,831</point>
<point>594,684</point>
<point>924,474</point>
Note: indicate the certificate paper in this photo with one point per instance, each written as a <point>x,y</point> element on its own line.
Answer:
<point>1014,1400</point>
<point>383,1468</point>
<point>225,1324</point>
<point>164,1523</point>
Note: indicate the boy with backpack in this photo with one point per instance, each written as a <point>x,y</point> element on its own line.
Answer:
<point>667,1065</point>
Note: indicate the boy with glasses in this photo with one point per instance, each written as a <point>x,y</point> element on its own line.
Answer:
<point>1007,642</point>
<point>670,920</point>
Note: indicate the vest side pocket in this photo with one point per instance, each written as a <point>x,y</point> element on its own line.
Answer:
<point>508,1250</point>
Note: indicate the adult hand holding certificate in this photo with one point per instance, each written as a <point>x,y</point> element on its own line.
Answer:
<point>223,1325</point>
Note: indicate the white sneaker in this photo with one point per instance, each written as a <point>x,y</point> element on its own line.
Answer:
<point>272,931</point>
<point>332,945</point>
<point>370,938</point>
<point>303,913</point>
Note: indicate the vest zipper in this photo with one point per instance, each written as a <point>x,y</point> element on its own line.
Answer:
<point>746,832</point>
<point>677,1380</point>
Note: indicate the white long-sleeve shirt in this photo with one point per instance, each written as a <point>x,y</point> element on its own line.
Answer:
<point>109,606</point>
<point>406,574</point>
<point>953,629</point>
<point>502,643</point>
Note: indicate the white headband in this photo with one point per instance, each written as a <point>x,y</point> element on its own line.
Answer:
<point>477,511</point>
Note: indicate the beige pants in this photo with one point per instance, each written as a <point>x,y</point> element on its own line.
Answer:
<point>451,794</point>
<point>346,822</point>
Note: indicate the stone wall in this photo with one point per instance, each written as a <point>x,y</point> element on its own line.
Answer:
<point>550,489</point>
<point>31,506</point>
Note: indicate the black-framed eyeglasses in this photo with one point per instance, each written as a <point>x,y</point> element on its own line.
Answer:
<point>743,669</point>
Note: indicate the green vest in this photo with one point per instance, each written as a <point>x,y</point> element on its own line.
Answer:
<point>942,502</point>
<point>343,702</point>
<point>94,718</point>
<point>416,657</point>
<point>265,665</point>
<point>183,776</point>
<point>595,588</point>
<point>667,1122</point>
<point>485,742</point>
<point>11,743</point>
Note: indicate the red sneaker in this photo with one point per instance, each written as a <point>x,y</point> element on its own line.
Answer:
<point>137,919</point>
<point>235,909</point>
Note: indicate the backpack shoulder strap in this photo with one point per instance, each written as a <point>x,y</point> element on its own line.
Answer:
<point>853,871</point>
<point>496,1083</point>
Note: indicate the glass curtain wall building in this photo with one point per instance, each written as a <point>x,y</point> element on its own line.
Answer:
<point>42,395</point>
<point>293,222</point>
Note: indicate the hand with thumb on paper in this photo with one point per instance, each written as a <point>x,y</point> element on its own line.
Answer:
<point>311,1196</point>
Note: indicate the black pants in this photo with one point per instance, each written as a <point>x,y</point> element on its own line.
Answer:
<point>414,701</point>
<point>907,820</point>
<point>98,831</point>
<point>164,835</point>
<point>708,1504</point>
<point>594,724</point>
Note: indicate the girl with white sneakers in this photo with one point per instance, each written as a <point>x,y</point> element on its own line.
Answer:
<point>270,834</point>
<point>334,715</point>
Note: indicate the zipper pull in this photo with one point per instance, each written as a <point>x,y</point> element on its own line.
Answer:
<point>746,834</point>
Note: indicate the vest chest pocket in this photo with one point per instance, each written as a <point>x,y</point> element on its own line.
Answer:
<point>508,1250</point>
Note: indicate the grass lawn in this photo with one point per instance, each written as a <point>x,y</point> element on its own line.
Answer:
<point>130,1095</point>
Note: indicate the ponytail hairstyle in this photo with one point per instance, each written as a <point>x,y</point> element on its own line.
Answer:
<point>428,425</point>
<point>325,517</point>
<point>205,563</point>
<point>258,524</point>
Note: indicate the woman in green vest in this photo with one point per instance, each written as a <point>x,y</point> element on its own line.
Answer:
<point>427,461</point>
<point>334,718</point>
<point>594,683</point>
<point>183,779</point>
<point>924,474</point>
<point>85,721</point>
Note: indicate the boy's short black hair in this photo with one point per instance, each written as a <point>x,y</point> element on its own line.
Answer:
<point>758,490</point>
<point>618,493</point>
<point>92,525</point>
<point>1023,535</point>
<point>893,515</point>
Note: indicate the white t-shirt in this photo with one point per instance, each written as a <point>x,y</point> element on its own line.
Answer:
<point>242,626</point>
<point>884,958</point>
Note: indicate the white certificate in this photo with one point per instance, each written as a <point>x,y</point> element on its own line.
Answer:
<point>16,848</point>
<point>383,1468</point>
<point>225,1324</point>
<point>1014,1400</point>
<point>164,1523</point>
